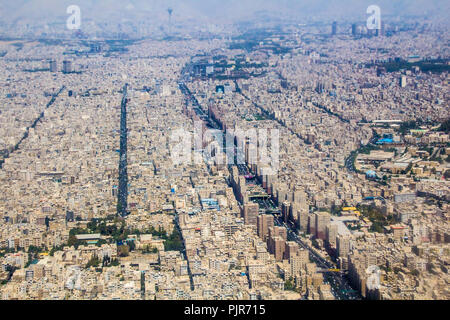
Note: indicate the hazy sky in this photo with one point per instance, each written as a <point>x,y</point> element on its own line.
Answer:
<point>35,11</point>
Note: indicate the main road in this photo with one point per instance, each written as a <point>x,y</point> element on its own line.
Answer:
<point>341,288</point>
<point>33,125</point>
<point>122,198</point>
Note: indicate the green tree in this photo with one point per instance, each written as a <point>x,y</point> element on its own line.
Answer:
<point>34,249</point>
<point>131,245</point>
<point>174,242</point>
<point>101,242</point>
<point>289,284</point>
<point>445,126</point>
<point>93,262</point>
<point>73,241</point>
<point>123,251</point>
<point>54,249</point>
<point>415,272</point>
<point>114,263</point>
<point>408,169</point>
<point>447,174</point>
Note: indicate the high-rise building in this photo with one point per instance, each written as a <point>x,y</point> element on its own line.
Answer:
<point>278,246</point>
<point>303,220</point>
<point>293,209</point>
<point>402,81</point>
<point>265,221</point>
<point>278,232</point>
<point>243,189</point>
<point>291,249</point>
<point>312,224</point>
<point>298,261</point>
<point>334,28</point>
<point>170,11</point>
<point>322,220</point>
<point>67,66</point>
<point>332,234</point>
<point>299,197</point>
<point>262,254</point>
<point>270,181</point>
<point>277,241</point>
<point>53,66</point>
<point>251,213</point>
<point>320,88</point>
<point>380,30</point>
<point>235,174</point>
<point>354,29</point>
<point>343,245</point>
<point>285,209</point>
<point>281,196</point>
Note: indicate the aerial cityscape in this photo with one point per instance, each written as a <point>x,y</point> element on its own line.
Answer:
<point>224,150</point>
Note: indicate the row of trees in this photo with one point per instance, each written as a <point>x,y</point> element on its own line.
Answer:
<point>94,261</point>
<point>378,219</point>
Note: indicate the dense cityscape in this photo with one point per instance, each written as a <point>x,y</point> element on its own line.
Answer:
<point>260,161</point>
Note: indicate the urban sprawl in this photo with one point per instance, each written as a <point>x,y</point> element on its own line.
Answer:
<point>93,205</point>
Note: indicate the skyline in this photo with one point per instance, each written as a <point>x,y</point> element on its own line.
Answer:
<point>214,153</point>
<point>35,12</point>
